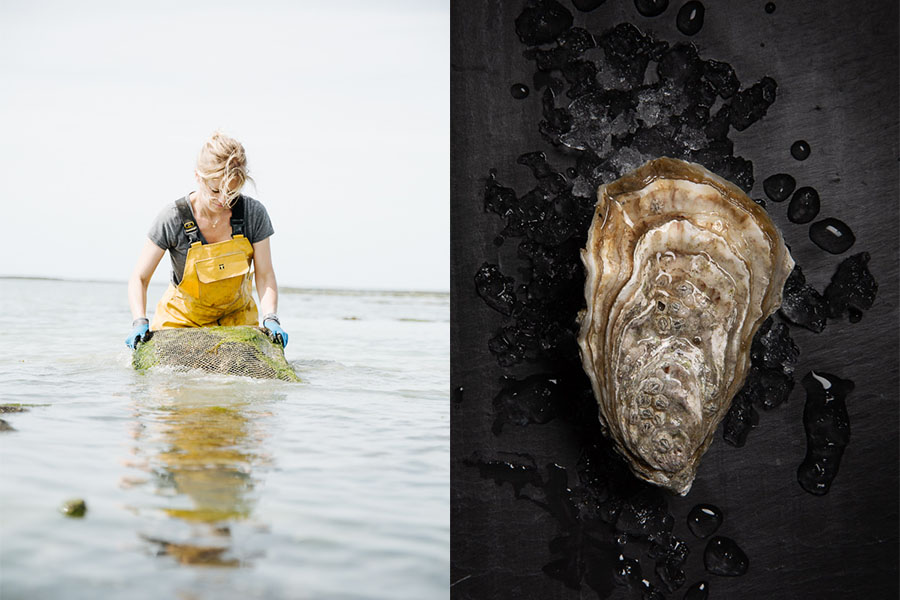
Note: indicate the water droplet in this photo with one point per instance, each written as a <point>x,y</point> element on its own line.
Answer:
<point>804,206</point>
<point>519,91</point>
<point>690,17</point>
<point>704,520</point>
<point>587,5</point>
<point>698,591</point>
<point>827,427</point>
<point>458,394</point>
<point>724,557</point>
<point>651,8</point>
<point>572,172</point>
<point>770,7</point>
<point>779,187</point>
<point>800,150</point>
<point>831,235</point>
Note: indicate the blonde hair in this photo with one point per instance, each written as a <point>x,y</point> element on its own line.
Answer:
<point>221,162</point>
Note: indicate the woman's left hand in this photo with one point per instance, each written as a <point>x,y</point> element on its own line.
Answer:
<point>276,331</point>
<point>139,333</point>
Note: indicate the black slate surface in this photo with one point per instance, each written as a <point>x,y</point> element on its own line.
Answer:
<point>836,64</point>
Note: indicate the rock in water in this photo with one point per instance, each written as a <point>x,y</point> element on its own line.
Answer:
<point>682,268</point>
<point>75,507</point>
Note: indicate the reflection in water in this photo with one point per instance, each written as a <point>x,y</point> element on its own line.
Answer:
<point>200,442</point>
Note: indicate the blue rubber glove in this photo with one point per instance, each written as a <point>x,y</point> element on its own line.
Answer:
<point>139,333</point>
<point>276,331</point>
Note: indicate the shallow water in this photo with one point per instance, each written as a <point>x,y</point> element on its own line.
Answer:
<point>206,486</point>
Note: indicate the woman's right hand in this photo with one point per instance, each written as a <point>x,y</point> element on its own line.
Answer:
<point>147,262</point>
<point>139,333</point>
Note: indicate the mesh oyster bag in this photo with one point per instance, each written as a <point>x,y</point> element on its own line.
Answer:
<point>243,351</point>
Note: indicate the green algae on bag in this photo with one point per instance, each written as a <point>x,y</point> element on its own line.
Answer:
<point>243,351</point>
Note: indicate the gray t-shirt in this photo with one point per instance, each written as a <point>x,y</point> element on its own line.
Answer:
<point>167,232</point>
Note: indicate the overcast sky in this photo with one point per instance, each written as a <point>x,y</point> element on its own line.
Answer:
<point>342,107</point>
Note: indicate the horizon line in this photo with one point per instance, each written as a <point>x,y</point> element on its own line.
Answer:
<point>282,289</point>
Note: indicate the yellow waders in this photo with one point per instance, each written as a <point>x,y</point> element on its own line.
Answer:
<point>215,289</point>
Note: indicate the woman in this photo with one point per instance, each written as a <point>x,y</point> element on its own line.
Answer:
<point>213,235</point>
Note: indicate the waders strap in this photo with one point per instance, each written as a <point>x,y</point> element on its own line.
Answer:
<point>237,217</point>
<point>187,220</point>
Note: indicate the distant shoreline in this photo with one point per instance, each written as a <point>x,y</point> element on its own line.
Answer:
<point>281,289</point>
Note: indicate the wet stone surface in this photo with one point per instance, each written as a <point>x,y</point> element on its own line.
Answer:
<point>610,99</point>
<point>609,121</point>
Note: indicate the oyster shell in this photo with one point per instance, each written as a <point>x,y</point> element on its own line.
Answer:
<point>681,270</point>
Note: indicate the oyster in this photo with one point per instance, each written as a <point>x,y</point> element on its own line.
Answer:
<point>681,270</point>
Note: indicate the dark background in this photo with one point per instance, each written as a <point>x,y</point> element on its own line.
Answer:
<point>836,64</point>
